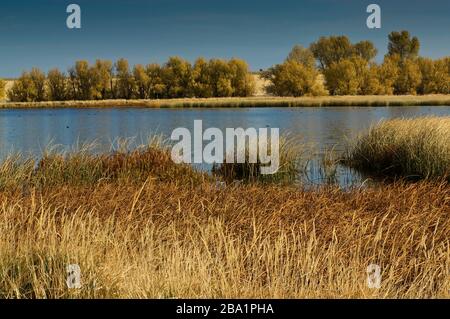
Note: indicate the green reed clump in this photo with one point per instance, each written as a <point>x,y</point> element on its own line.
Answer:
<point>412,148</point>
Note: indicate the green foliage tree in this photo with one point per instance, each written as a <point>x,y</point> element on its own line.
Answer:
<point>401,44</point>
<point>57,85</point>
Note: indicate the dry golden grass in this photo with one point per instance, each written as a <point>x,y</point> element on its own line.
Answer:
<point>161,236</point>
<point>256,101</point>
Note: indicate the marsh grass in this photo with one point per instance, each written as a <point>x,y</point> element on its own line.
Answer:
<point>265,101</point>
<point>82,166</point>
<point>140,226</point>
<point>413,148</point>
<point>292,160</point>
<point>162,239</point>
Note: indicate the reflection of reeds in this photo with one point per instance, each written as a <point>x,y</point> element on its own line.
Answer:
<point>413,148</point>
<point>266,101</point>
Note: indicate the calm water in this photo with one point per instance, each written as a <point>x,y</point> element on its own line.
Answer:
<point>30,131</point>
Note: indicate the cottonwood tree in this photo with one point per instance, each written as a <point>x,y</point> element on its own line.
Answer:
<point>23,89</point>
<point>293,78</point>
<point>302,55</point>
<point>201,74</point>
<point>81,81</point>
<point>342,78</point>
<point>220,78</point>
<point>365,50</point>
<point>401,44</point>
<point>125,81</point>
<point>177,77</point>
<point>409,77</point>
<point>38,78</point>
<point>142,81</point>
<point>435,76</point>
<point>328,50</point>
<point>103,74</point>
<point>242,81</point>
<point>57,85</point>
<point>157,88</point>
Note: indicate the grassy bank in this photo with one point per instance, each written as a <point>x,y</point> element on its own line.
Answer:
<point>414,148</point>
<point>267,101</point>
<point>140,226</point>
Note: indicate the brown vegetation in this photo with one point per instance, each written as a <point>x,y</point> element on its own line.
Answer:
<point>164,236</point>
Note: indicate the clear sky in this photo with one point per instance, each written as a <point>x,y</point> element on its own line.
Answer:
<point>34,32</point>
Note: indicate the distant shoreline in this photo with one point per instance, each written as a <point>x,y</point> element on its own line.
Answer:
<point>260,101</point>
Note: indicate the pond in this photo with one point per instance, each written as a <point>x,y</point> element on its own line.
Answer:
<point>30,131</point>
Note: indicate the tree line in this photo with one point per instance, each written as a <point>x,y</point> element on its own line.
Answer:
<point>334,65</point>
<point>176,78</point>
<point>330,66</point>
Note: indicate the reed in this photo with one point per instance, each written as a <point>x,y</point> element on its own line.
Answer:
<point>162,239</point>
<point>413,148</point>
<point>292,161</point>
<point>264,101</point>
<point>140,226</point>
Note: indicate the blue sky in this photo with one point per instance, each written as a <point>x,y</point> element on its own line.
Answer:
<point>34,32</point>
